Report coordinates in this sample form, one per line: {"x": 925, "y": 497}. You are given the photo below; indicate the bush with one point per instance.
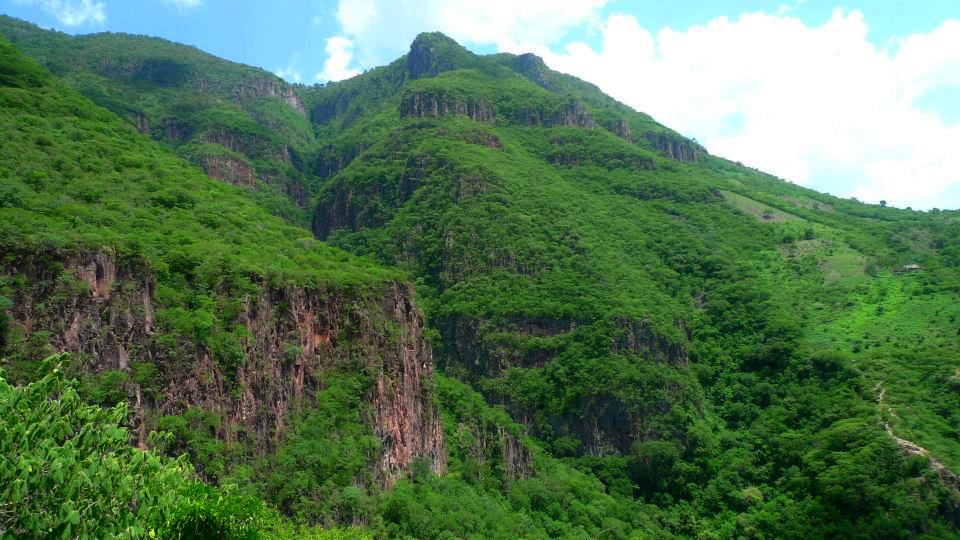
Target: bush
{"x": 67, "y": 470}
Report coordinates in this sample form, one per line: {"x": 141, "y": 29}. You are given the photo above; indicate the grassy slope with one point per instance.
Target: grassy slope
{"x": 202, "y": 94}
{"x": 76, "y": 177}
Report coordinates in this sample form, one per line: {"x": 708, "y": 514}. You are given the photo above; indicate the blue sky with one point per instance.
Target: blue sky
{"x": 856, "y": 98}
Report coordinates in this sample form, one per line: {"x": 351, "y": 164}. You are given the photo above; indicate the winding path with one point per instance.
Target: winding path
{"x": 910, "y": 447}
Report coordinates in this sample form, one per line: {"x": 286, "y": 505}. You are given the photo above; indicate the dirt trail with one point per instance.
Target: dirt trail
{"x": 911, "y": 447}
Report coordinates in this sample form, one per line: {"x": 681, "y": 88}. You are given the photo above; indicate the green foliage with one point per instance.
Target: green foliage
{"x": 478, "y": 497}
{"x": 317, "y": 472}
{"x": 67, "y": 470}
{"x": 549, "y": 242}
{"x": 159, "y": 207}
{"x": 185, "y": 98}
{"x": 18, "y": 71}
{"x": 5, "y": 304}
{"x": 695, "y": 348}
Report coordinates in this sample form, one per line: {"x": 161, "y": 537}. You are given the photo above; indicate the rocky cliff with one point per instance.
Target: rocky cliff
{"x": 427, "y": 103}
{"x": 674, "y": 146}
{"x": 572, "y": 113}
{"x": 433, "y": 53}
{"x": 229, "y": 169}
{"x": 604, "y": 423}
{"x": 268, "y": 87}
{"x": 104, "y": 310}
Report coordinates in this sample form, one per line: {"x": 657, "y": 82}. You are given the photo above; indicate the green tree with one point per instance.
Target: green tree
{"x": 67, "y": 470}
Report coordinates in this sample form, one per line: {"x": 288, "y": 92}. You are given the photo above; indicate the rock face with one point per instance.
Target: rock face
{"x": 433, "y": 104}
{"x": 332, "y": 160}
{"x": 229, "y": 169}
{"x": 104, "y": 311}
{"x": 675, "y": 147}
{"x": 534, "y": 68}
{"x": 341, "y": 207}
{"x": 298, "y": 192}
{"x": 464, "y": 344}
{"x": 420, "y": 59}
{"x": 572, "y": 114}
{"x": 173, "y": 129}
{"x": 621, "y": 128}
{"x": 433, "y": 53}
{"x": 639, "y": 337}
{"x": 264, "y": 87}
{"x": 494, "y": 444}
{"x": 604, "y": 424}
{"x": 251, "y": 145}
{"x": 141, "y": 121}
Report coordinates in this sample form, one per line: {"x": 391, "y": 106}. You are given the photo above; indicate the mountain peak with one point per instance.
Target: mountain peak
{"x": 432, "y": 53}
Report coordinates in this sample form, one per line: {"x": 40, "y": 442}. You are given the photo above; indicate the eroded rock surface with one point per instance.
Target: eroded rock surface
{"x": 104, "y": 311}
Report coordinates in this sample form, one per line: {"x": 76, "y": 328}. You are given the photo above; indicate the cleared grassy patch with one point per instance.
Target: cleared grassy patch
{"x": 757, "y": 209}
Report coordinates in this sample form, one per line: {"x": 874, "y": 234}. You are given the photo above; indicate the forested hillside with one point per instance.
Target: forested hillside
{"x": 455, "y": 296}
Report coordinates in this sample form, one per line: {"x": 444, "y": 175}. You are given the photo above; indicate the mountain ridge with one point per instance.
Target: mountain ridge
{"x": 632, "y": 335}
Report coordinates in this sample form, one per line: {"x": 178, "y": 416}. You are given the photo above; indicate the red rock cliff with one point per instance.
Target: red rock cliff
{"x": 104, "y": 311}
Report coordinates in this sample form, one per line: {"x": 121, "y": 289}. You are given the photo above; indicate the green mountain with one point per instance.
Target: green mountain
{"x": 632, "y": 337}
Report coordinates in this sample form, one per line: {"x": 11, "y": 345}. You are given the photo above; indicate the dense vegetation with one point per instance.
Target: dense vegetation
{"x": 636, "y": 338}
{"x": 69, "y": 471}
{"x": 232, "y": 120}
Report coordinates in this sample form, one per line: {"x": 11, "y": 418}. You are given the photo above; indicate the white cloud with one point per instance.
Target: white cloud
{"x": 290, "y": 72}
{"x": 382, "y": 30}
{"x": 818, "y": 105}
{"x": 71, "y": 12}
{"x": 339, "y": 56}
{"x": 183, "y": 5}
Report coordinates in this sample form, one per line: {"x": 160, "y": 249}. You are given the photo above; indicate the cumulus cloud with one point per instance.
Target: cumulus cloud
{"x": 339, "y": 55}
{"x": 817, "y": 105}
{"x": 71, "y": 12}
{"x": 290, "y": 72}
{"x": 382, "y": 30}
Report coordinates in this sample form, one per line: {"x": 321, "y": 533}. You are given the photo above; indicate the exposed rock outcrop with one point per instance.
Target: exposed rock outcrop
{"x": 674, "y": 146}
{"x": 333, "y": 160}
{"x": 639, "y": 337}
{"x": 621, "y": 128}
{"x": 249, "y": 145}
{"x": 421, "y": 58}
{"x": 141, "y": 121}
{"x": 104, "y": 311}
{"x": 572, "y": 114}
{"x": 298, "y": 192}
{"x": 427, "y": 103}
{"x": 604, "y": 423}
{"x": 263, "y": 87}
{"x": 433, "y": 53}
{"x": 481, "y": 137}
{"x": 229, "y": 169}
{"x": 533, "y": 67}
{"x": 327, "y": 110}
{"x": 490, "y": 443}
{"x": 174, "y": 130}
{"x": 339, "y": 208}
{"x": 465, "y": 346}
